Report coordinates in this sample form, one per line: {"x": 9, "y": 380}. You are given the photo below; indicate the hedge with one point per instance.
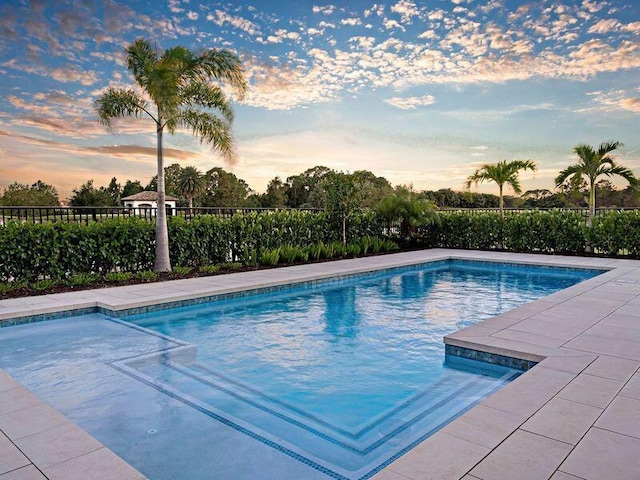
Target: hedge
{"x": 30, "y": 252}
{"x": 554, "y": 231}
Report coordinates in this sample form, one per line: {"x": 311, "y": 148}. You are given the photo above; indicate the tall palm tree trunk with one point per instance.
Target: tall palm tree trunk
{"x": 162, "y": 261}
{"x": 501, "y": 202}
{"x": 592, "y": 201}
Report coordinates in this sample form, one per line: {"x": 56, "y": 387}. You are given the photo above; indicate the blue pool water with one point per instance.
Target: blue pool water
{"x": 332, "y": 379}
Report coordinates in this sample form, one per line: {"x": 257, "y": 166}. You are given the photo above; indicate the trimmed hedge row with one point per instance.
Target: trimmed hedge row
{"x": 57, "y": 250}
{"x": 29, "y": 252}
{"x": 555, "y": 231}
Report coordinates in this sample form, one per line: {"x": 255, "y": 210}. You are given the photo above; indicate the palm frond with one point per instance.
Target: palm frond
{"x": 118, "y": 103}
{"x": 515, "y": 184}
{"x": 607, "y": 147}
{"x": 479, "y": 176}
{"x": 141, "y": 60}
{"x": 224, "y": 66}
{"x": 198, "y": 94}
{"x": 623, "y": 172}
{"x": 568, "y": 172}
{"x": 210, "y": 129}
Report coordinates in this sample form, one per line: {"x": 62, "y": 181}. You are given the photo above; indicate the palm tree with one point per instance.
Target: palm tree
{"x": 190, "y": 183}
{"x": 176, "y": 90}
{"x": 594, "y": 163}
{"x": 501, "y": 173}
{"x": 405, "y": 206}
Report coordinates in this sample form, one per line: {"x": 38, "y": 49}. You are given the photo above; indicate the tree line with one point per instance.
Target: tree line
{"x": 220, "y": 188}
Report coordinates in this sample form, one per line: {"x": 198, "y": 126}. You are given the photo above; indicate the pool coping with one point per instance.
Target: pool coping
{"x": 520, "y": 410}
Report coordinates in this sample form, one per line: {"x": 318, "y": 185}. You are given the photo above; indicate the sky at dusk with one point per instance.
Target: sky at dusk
{"x": 420, "y": 92}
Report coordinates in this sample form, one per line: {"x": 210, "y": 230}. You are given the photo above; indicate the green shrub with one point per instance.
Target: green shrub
{"x": 82, "y": 279}
{"x": 231, "y": 266}
{"x": 57, "y": 250}
{"x": 249, "y": 256}
{"x": 145, "y": 276}
{"x": 616, "y": 233}
{"x": 43, "y": 285}
{"x": 317, "y": 251}
{"x": 289, "y": 254}
{"x": 118, "y": 276}
{"x": 209, "y": 269}
{"x": 181, "y": 270}
{"x": 365, "y": 244}
{"x": 302, "y": 254}
{"x": 338, "y": 249}
{"x": 546, "y": 232}
{"x": 269, "y": 257}
{"x": 353, "y": 250}
{"x": 377, "y": 245}
{"x": 389, "y": 246}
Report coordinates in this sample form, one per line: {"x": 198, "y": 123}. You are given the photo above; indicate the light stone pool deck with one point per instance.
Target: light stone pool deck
{"x": 575, "y": 415}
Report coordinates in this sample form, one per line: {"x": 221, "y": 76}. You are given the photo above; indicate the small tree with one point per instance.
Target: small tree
{"x": 114, "y": 191}
{"x": 224, "y": 189}
{"x": 131, "y": 188}
{"x": 38, "y": 194}
{"x": 409, "y": 209}
{"x": 175, "y": 90}
{"x": 503, "y": 172}
{"x": 89, "y": 196}
{"x": 593, "y": 164}
{"x": 190, "y": 183}
{"x": 276, "y": 194}
{"x": 342, "y": 197}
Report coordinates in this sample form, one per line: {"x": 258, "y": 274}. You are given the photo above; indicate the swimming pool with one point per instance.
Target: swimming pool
{"x": 340, "y": 376}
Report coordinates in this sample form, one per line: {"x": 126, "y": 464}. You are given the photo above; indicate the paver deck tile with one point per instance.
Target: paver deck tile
{"x": 568, "y": 363}
{"x": 604, "y": 455}
{"x": 525, "y": 456}
{"x": 25, "y": 473}
{"x": 440, "y": 457}
{"x": 606, "y": 346}
{"x": 17, "y": 398}
{"x": 564, "y": 476}
{"x": 621, "y": 416}
{"x": 100, "y": 464}
{"x": 563, "y": 420}
{"x": 591, "y": 390}
{"x": 11, "y": 457}
{"x": 632, "y": 387}
{"x": 484, "y": 426}
{"x": 612, "y": 367}
{"x": 57, "y": 445}
{"x": 30, "y": 420}
{"x": 530, "y": 392}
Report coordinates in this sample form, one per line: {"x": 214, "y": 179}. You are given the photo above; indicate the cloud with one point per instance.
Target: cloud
{"x": 621, "y": 100}
{"x": 220, "y": 18}
{"x": 327, "y": 9}
{"x": 352, "y": 22}
{"x": 409, "y": 103}
{"x": 406, "y": 9}
{"x": 135, "y": 150}
{"x": 604, "y": 26}
{"x": 65, "y": 74}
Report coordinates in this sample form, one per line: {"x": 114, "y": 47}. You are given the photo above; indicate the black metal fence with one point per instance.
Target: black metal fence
{"x": 583, "y": 211}
{"x": 97, "y": 214}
